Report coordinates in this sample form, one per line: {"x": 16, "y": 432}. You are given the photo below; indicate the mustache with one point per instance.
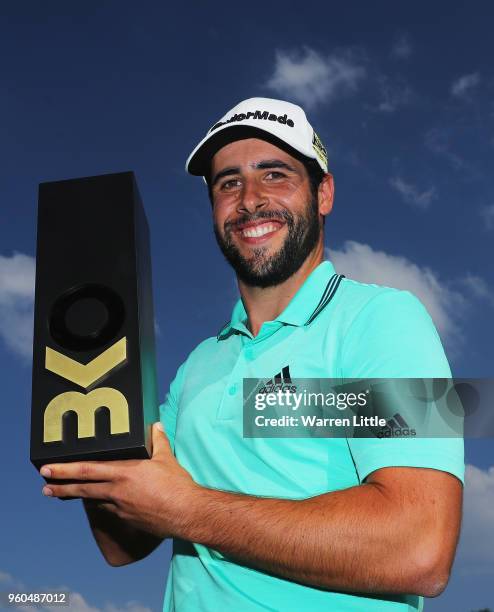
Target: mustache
{"x": 266, "y": 215}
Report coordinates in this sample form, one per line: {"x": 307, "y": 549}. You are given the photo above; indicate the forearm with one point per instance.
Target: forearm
{"x": 352, "y": 540}
{"x": 119, "y": 542}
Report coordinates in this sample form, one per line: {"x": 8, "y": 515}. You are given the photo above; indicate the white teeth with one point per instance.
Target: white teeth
{"x": 259, "y": 230}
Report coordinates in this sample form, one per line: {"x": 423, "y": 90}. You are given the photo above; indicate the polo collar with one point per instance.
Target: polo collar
{"x": 309, "y": 301}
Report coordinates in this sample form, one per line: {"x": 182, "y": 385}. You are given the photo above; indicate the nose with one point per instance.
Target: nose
{"x": 252, "y": 197}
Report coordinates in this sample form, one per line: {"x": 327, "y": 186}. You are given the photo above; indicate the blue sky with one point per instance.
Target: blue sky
{"x": 402, "y": 96}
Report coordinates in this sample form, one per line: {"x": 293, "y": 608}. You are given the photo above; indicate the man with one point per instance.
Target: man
{"x": 283, "y": 523}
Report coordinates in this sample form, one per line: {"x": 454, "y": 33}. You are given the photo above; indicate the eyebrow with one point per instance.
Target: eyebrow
{"x": 262, "y": 165}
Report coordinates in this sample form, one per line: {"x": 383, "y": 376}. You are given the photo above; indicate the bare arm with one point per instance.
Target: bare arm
{"x": 397, "y": 533}
{"x": 119, "y": 542}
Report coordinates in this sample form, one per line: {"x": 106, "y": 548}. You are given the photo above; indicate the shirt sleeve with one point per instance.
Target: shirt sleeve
{"x": 169, "y": 408}
{"x": 393, "y": 336}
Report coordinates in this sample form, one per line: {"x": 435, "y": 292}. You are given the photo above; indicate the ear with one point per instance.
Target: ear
{"x": 325, "y": 194}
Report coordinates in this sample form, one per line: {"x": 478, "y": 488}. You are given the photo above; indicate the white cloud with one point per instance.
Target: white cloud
{"x": 5, "y": 578}
{"x": 402, "y": 48}
{"x": 131, "y": 606}
{"x": 411, "y": 194}
{"x": 475, "y": 550}
{"x": 463, "y": 86}
{"x": 446, "y": 301}
{"x": 478, "y": 287}
{"x": 17, "y": 275}
{"x": 310, "y": 78}
{"x": 393, "y": 95}
{"x": 77, "y": 603}
{"x": 438, "y": 141}
{"x": 444, "y": 304}
{"x": 487, "y": 213}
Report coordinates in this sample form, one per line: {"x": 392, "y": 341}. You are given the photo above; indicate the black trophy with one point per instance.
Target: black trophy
{"x": 94, "y": 394}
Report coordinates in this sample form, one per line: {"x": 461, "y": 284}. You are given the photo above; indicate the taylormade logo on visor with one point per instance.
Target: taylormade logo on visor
{"x": 265, "y": 115}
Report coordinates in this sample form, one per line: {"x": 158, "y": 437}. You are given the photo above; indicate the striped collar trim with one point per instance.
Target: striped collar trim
{"x": 223, "y": 330}
{"x": 327, "y": 296}
{"x": 303, "y": 309}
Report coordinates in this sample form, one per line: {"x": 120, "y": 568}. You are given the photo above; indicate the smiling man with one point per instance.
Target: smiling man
{"x": 283, "y": 523}
{"x": 266, "y": 245}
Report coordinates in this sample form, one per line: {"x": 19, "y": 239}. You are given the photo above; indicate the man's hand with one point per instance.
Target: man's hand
{"x": 397, "y": 533}
{"x": 150, "y": 494}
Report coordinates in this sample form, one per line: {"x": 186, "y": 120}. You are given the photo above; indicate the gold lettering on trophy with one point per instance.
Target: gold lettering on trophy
{"x": 85, "y": 406}
{"x": 86, "y": 375}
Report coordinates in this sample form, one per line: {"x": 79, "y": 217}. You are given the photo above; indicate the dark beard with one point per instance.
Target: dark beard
{"x": 267, "y": 271}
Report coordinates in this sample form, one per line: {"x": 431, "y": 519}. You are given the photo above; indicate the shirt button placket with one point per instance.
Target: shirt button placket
{"x": 231, "y": 401}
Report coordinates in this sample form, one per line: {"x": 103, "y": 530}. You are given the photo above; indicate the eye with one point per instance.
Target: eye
{"x": 230, "y": 184}
{"x": 273, "y": 175}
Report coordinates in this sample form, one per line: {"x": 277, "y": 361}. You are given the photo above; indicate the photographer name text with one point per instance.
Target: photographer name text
{"x": 313, "y": 421}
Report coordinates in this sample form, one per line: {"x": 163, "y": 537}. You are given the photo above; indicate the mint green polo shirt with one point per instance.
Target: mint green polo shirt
{"x": 333, "y": 327}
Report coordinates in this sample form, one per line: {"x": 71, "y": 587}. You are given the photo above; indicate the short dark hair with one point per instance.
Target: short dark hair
{"x": 314, "y": 171}
{"x": 316, "y": 174}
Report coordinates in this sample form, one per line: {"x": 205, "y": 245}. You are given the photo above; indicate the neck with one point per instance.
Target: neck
{"x": 265, "y": 304}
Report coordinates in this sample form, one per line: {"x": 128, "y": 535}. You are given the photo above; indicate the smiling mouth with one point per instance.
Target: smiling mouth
{"x": 254, "y": 232}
